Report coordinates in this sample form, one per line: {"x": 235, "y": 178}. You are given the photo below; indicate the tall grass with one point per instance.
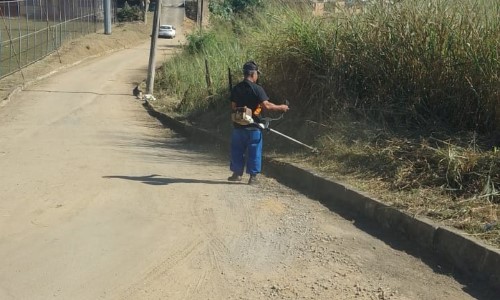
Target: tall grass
{"x": 406, "y": 63}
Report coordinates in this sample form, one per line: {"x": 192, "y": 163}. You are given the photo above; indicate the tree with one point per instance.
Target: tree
{"x": 226, "y": 8}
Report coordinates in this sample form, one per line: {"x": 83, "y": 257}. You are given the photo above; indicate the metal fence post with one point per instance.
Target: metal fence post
{"x": 107, "y": 16}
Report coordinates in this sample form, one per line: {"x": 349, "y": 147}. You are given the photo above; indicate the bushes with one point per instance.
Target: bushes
{"x": 226, "y": 9}
{"x": 130, "y": 13}
{"x": 200, "y": 42}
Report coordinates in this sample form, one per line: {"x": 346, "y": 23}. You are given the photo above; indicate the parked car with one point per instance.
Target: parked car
{"x": 166, "y": 31}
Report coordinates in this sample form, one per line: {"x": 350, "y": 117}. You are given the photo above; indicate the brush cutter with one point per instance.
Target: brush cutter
{"x": 265, "y": 126}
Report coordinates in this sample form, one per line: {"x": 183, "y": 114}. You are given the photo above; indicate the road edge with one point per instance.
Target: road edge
{"x": 466, "y": 255}
{"x": 23, "y": 85}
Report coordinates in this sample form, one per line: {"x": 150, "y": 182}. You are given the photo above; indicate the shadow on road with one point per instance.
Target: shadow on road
{"x": 155, "y": 179}
{"x": 178, "y": 46}
{"x": 76, "y": 92}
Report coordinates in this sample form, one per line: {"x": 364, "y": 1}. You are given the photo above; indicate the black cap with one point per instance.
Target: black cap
{"x": 251, "y": 66}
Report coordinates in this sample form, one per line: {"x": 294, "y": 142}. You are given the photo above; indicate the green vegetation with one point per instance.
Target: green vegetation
{"x": 403, "y": 100}
{"x": 130, "y": 13}
{"x": 226, "y": 9}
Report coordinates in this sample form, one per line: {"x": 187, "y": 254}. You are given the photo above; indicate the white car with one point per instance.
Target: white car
{"x": 166, "y": 31}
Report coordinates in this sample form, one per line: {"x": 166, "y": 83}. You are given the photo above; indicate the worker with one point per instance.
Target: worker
{"x": 248, "y": 99}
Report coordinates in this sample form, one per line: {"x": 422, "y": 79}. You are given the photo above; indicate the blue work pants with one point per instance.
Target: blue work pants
{"x": 246, "y": 145}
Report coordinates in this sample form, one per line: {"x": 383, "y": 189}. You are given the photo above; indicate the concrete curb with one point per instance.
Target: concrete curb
{"x": 465, "y": 255}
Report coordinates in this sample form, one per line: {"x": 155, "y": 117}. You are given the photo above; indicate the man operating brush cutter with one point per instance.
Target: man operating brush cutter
{"x": 248, "y": 99}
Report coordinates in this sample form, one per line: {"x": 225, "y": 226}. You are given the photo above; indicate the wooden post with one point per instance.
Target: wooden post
{"x": 207, "y": 78}
{"x": 497, "y": 123}
{"x": 230, "y": 77}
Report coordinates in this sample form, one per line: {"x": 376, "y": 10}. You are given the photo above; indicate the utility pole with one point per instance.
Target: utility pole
{"x": 107, "y": 16}
{"x": 152, "y": 51}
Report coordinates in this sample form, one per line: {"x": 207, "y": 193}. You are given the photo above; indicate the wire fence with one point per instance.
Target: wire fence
{"x": 32, "y": 29}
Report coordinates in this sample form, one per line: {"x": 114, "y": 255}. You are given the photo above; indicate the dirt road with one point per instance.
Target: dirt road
{"x": 99, "y": 201}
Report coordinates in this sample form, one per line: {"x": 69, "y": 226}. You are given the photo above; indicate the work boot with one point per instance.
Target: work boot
{"x": 234, "y": 177}
{"x": 253, "y": 180}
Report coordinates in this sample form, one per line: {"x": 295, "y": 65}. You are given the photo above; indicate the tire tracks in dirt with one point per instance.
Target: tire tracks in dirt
{"x": 163, "y": 271}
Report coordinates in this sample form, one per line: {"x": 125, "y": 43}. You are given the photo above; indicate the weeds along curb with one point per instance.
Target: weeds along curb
{"x": 465, "y": 255}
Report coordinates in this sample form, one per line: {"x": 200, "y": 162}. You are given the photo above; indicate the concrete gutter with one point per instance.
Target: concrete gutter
{"x": 466, "y": 256}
